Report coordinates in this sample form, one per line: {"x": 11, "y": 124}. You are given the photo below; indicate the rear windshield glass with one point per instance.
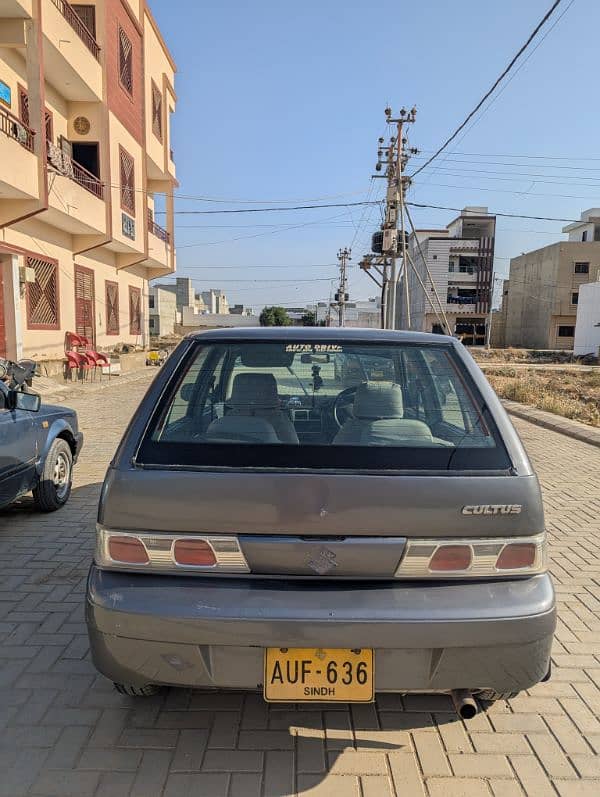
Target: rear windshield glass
{"x": 322, "y": 405}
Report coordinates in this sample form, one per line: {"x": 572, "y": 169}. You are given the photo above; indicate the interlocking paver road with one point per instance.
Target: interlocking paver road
{"x": 64, "y": 731}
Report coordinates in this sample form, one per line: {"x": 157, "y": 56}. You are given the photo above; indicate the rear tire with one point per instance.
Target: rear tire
{"x": 54, "y": 485}
{"x": 138, "y": 691}
{"x": 489, "y": 696}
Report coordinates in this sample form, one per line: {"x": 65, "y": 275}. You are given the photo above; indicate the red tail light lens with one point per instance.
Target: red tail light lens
{"x": 197, "y": 553}
{"x": 516, "y": 555}
{"x": 473, "y": 558}
{"x": 128, "y": 549}
{"x": 451, "y": 557}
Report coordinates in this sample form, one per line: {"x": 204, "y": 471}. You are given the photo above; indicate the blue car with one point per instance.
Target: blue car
{"x": 39, "y": 443}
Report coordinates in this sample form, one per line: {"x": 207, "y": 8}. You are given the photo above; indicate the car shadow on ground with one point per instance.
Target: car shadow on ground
{"x": 46, "y": 557}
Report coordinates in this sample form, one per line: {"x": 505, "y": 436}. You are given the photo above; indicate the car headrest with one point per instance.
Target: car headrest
{"x": 254, "y": 390}
{"x": 377, "y": 400}
{"x": 237, "y": 429}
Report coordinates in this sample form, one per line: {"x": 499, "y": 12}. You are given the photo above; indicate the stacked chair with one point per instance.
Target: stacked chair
{"x": 81, "y": 357}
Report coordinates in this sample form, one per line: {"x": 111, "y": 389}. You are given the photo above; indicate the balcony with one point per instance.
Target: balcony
{"x": 80, "y": 29}
{"x": 71, "y": 54}
{"x": 15, "y": 129}
{"x": 159, "y": 167}
{"x": 20, "y": 9}
{"x": 76, "y": 196}
{"x": 159, "y": 260}
{"x": 462, "y": 277}
{"x": 470, "y": 245}
{"x": 19, "y": 176}
{"x": 156, "y": 229}
{"x": 62, "y": 163}
{"x": 461, "y": 304}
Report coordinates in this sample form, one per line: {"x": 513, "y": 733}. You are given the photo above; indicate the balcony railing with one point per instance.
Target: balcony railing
{"x": 64, "y": 164}
{"x": 461, "y": 299}
{"x": 156, "y": 229}
{"x": 87, "y": 180}
{"x": 14, "y": 128}
{"x": 80, "y": 29}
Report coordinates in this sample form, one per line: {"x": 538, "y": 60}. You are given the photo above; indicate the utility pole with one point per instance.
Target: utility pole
{"x": 395, "y": 156}
{"x": 488, "y": 329}
{"x": 344, "y": 255}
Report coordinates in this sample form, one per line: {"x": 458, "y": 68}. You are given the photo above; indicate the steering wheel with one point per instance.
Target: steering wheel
{"x": 342, "y": 405}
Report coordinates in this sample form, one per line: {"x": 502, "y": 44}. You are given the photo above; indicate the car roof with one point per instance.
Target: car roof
{"x": 307, "y": 334}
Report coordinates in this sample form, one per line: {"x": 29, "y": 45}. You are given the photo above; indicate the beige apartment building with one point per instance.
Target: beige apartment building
{"x": 543, "y": 287}
{"x": 86, "y": 97}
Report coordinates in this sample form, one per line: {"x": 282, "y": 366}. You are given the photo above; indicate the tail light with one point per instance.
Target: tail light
{"x": 128, "y": 550}
{"x": 482, "y": 558}
{"x": 172, "y": 553}
{"x": 197, "y": 553}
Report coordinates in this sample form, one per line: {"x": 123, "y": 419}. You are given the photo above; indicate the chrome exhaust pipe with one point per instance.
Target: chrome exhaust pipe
{"x": 464, "y": 703}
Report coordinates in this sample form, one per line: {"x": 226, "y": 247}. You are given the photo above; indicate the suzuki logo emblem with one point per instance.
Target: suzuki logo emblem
{"x": 323, "y": 562}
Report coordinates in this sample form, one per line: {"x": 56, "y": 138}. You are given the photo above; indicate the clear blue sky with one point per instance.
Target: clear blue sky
{"x": 281, "y": 101}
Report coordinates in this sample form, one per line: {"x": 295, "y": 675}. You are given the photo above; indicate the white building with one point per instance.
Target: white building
{"x": 588, "y": 229}
{"x": 215, "y": 301}
{"x": 163, "y": 312}
{"x": 359, "y": 314}
{"x": 192, "y": 320}
{"x": 587, "y": 326}
{"x": 460, "y": 260}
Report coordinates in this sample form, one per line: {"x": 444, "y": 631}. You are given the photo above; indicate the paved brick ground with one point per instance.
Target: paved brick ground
{"x": 64, "y": 731}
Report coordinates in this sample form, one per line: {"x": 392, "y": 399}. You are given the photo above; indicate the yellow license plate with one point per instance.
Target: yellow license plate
{"x": 298, "y": 675}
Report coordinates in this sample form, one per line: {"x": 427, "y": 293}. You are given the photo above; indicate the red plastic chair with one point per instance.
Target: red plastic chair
{"x": 74, "y": 341}
{"x": 98, "y": 360}
{"x": 95, "y": 358}
{"x": 79, "y": 362}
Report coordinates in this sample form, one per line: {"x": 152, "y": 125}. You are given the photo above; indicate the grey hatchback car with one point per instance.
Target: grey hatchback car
{"x": 263, "y": 526}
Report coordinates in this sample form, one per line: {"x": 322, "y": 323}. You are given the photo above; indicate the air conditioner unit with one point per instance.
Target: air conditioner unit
{"x": 26, "y": 274}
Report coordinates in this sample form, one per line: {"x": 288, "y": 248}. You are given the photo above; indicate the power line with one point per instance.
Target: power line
{"x": 526, "y": 193}
{"x": 495, "y": 212}
{"x": 284, "y": 228}
{"x": 522, "y": 165}
{"x": 266, "y": 265}
{"x": 270, "y": 281}
{"x": 199, "y": 198}
{"x": 556, "y": 179}
{"x": 514, "y": 75}
{"x": 271, "y": 210}
{"x": 531, "y": 157}
{"x": 494, "y": 86}
{"x": 261, "y": 201}
{"x": 324, "y": 222}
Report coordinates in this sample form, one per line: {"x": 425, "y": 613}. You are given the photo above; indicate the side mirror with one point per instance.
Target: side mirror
{"x": 31, "y": 402}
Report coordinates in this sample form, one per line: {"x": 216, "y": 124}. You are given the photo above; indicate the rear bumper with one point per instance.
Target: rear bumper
{"x": 212, "y": 632}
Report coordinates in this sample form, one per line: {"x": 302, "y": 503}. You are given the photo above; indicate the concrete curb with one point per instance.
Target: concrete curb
{"x": 566, "y": 426}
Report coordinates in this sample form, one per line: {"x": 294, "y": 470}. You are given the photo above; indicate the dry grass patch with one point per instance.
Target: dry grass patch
{"x": 572, "y": 395}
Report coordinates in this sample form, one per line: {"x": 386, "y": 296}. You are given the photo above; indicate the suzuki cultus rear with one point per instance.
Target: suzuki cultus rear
{"x": 267, "y": 525}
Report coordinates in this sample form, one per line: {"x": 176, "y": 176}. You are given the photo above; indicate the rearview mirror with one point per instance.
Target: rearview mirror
{"x": 30, "y": 402}
{"x": 307, "y": 359}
